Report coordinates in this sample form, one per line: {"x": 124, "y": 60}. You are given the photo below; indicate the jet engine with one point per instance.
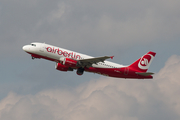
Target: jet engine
{"x": 61, "y": 67}
{"x": 69, "y": 62}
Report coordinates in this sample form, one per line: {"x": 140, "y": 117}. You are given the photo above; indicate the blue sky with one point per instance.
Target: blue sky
{"x": 125, "y": 29}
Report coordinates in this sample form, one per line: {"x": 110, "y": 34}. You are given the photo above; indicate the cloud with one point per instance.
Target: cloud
{"x": 100, "y": 24}
{"x": 104, "y": 98}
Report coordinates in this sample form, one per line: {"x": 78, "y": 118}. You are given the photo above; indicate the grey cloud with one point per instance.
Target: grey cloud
{"x": 100, "y": 24}
{"x": 104, "y": 98}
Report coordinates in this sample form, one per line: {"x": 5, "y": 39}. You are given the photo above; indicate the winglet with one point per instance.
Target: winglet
{"x": 111, "y": 57}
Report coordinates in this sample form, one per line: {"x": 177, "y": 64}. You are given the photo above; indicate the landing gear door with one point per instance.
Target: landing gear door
{"x": 42, "y": 47}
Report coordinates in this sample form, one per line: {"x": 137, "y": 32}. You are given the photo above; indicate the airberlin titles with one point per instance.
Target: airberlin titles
{"x": 64, "y": 53}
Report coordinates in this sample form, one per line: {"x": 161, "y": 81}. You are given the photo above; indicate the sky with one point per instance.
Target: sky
{"x": 35, "y": 90}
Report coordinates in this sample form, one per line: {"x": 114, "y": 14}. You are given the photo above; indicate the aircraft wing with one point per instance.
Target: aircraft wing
{"x": 90, "y": 61}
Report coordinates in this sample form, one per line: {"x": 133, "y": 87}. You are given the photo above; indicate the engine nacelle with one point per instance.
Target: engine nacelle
{"x": 61, "y": 67}
{"x": 69, "y": 62}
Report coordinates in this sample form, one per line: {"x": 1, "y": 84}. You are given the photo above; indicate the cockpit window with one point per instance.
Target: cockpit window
{"x": 33, "y": 45}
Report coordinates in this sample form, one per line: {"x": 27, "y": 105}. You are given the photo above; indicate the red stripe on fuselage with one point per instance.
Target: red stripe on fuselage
{"x": 116, "y": 72}
{"x": 46, "y": 58}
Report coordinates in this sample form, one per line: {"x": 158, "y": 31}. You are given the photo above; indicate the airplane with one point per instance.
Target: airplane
{"x": 67, "y": 60}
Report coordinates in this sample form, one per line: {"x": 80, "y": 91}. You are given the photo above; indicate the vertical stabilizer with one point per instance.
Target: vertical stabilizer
{"x": 143, "y": 63}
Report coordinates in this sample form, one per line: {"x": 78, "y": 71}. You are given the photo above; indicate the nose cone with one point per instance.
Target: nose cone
{"x": 25, "y": 48}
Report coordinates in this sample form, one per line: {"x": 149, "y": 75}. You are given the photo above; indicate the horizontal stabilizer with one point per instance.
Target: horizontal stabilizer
{"x": 144, "y": 73}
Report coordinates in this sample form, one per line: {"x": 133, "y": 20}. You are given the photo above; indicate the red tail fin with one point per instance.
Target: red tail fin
{"x": 143, "y": 63}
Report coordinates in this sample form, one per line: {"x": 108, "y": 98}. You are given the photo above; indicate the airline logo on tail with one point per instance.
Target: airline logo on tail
{"x": 145, "y": 61}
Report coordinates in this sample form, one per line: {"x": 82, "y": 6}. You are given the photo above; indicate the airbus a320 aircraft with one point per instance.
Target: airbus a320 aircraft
{"x": 67, "y": 60}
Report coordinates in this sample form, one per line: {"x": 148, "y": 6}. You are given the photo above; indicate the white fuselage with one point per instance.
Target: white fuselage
{"x": 57, "y": 53}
